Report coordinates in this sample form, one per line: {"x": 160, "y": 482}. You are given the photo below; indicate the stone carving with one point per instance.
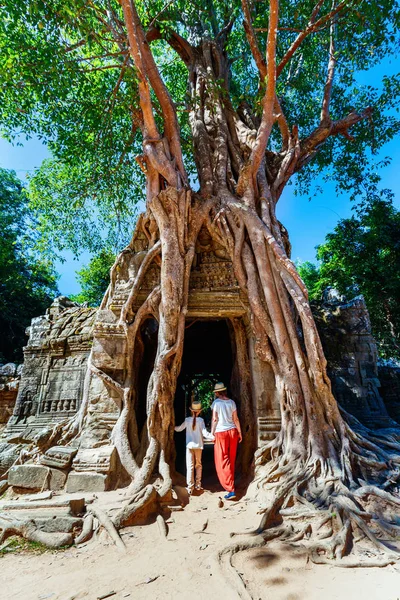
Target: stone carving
{"x": 98, "y": 460}
{"x": 54, "y": 366}
{"x": 212, "y": 269}
{"x": 94, "y": 469}
{"x": 9, "y": 384}
{"x": 351, "y": 352}
{"x": 59, "y": 457}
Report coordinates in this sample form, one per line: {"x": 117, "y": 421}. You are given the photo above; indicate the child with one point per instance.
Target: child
{"x": 195, "y": 431}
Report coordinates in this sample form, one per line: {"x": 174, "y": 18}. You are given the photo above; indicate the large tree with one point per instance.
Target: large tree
{"x": 228, "y": 102}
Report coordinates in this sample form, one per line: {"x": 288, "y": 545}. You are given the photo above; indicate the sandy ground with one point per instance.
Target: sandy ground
{"x": 184, "y": 566}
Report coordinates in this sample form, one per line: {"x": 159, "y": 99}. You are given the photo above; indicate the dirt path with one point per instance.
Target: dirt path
{"x": 183, "y": 566}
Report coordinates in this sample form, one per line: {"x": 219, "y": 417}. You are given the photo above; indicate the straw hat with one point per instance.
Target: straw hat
{"x": 195, "y": 406}
{"x": 219, "y": 387}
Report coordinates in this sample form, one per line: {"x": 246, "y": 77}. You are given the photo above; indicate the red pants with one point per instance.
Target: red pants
{"x": 225, "y": 456}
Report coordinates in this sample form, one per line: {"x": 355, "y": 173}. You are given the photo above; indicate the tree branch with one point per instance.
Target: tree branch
{"x": 177, "y": 43}
{"x": 251, "y": 38}
{"x": 311, "y": 144}
{"x": 160, "y": 89}
{"x": 267, "y": 119}
{"x": 312, "y": 26}
{"x": 150, "y": 127}
{"x": 331, "y": 69}
{"x": 262, "y": 69}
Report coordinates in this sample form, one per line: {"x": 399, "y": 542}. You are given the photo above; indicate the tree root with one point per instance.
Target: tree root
{"x": 351, "y": 563}
{"x": 109, "y": 526}
{"x": 138, "y": 508}
{"x": 29, "y": 531}
{"x": 223, "y": 560}
{"x": 87, "y": 530}
{"x": 162, "y": 527}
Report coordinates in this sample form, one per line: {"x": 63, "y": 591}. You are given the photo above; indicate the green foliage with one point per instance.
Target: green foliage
{"x": 362, "y": 256}
{"x": 311, "y": 276}
{"x": 204, "y": 393}
{"x": 94, "y": 278}
{"x": 27, "y": 281}
{"x": 66, "y": 76}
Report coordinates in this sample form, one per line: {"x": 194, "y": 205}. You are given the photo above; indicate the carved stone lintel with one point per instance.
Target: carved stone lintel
{"x": 59, "y": 456}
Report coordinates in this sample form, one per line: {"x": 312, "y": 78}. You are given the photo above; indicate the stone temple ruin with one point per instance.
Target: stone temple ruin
{"x": 55, "y": 374}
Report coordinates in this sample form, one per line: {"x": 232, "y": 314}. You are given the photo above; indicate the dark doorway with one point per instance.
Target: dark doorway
{"x": 207, "y": 358}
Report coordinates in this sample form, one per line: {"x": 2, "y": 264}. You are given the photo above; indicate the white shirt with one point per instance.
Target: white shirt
{"x": 224, "y": 410}
{"x": 194, "y": 437}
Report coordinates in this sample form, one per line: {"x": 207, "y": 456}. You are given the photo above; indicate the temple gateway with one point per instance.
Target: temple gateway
{"x": 219, "y": 345}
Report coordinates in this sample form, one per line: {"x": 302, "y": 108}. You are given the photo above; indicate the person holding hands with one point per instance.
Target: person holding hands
{"x": 226, "y": 427}
{"x": 195, "y": 432}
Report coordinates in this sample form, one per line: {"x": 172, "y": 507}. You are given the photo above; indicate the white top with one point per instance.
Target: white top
{"x": 194, "y": 437}
{"x": 224, "y": 410}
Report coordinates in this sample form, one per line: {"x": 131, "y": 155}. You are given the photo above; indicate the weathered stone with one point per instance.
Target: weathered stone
{"x": 86, "y": 482}
{"x": 351, "y": 352}
{"x": 8, "y": 396}
{"x": 62, "y": 523}
{"x": 9, "y": 382}
{"x": 98, "y": 460}
{"x": 32, "y": 477}
{"x": 9, "y": 453}
{"x": 54, "y": 366}
{"x": 59, "y": 457}
{"x": 389, "y": 376}
{"x": 8, "y": 370}
{"x": 36, "y": 477}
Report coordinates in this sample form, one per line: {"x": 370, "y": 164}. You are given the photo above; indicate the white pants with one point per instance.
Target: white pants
{"x": 193, "y": 462}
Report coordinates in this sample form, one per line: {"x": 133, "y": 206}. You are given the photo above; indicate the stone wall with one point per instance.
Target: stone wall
{"x": 389, "y": 376}
{"x": 54, "y": 368}
{"x": 351, "y": 353}
{"x": 9, "y": 382}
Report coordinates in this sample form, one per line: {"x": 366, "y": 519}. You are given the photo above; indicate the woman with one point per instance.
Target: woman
{"x": 226, "y": 428}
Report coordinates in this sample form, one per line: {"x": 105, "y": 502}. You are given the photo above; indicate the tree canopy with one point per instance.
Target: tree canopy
{"x": 28, "y": 282}
{"x": 66, "y": 76}
{"x": 362, "y": 256}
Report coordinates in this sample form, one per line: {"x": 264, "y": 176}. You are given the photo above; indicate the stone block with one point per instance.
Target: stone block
{"x": 57, "y": 479}
{"x": 97, "y": 460}
{"x": 59, "y": 457}
{"x": 109, "y": 352}
{"x": 36, "y": 477}
{"x": 58, "y": 523}
{"x": 86, "y": 482}
{"x": 9, "y": 453}
{"x": 8, "y": 370}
